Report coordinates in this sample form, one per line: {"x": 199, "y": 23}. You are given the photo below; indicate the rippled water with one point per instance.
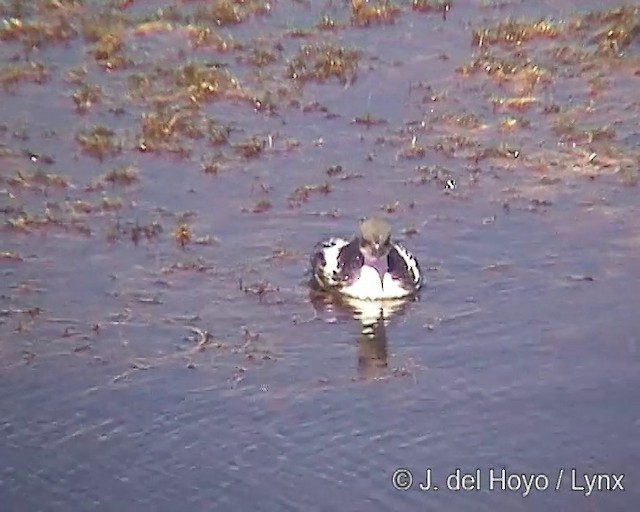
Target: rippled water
{"x": 146, "y": 375}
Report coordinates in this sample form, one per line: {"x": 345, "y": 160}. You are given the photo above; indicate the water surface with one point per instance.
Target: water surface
{"x": 140, "y": 372}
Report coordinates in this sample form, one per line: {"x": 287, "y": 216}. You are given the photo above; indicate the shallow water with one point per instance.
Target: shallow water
{"x": 137, "y": 373}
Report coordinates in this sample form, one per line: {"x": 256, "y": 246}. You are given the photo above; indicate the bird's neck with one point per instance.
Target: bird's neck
{"x": 380, "y": 264}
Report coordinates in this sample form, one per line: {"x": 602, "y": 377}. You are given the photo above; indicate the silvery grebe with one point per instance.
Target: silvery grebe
{"x": 369, "y": 267}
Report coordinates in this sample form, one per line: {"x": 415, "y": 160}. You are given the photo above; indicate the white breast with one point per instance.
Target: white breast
{"x": 370, "y": 287}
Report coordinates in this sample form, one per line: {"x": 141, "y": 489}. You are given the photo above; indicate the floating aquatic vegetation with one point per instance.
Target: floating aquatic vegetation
{"x": 322, "y": 62}
{"x": 95, "y": 27}
{"x": 261, "y": 206}
{"x": 250, "y": 148}
{"x": 106, "y": 53}
{"x": 13, "y": 74}
{"x": 206, "y": 82}
{"x": 327, "y": 23}
{"x": 164, "y": 130}
{"x": 182, "y": 234}
{"x": 217, "y": 134}
{"x": 232, "y": 12}
{"x": 261, "y": 289}
{"x": 451, "y": 144}
{"x": 27, "y": 222}
{"x": 261, "y": 57}
{"x": 99, "y": 142}
{"x": 202, "y": 36}
{"x": 412, "y": 151}
{"x": 86, "y": 96}
{"x": 10, "y": 255}
{"x": 109, "y": 204}
{"x": 522, "y": 74}
{"x": 567, "y": 130}
{"x": 514, "y": 33}
{"x": 365, "y": 13}
{"x": 435, "y": 174}
{"x": 369, "y": 120}
{"x": 509, "y": 123}
{"x": 35, "y": 33}
{"x": 38, "y": 178}
{"x": 334, "y": 170}
{"x": 612, "y": 31}
{"x": 431, "y": 6}
{"x": 135, "y": 231}
{"x": 81, "y": 207}
{"x": 302, "y": 194}
{"x": 390, "y": 208}
{"x": 210, "y": 167}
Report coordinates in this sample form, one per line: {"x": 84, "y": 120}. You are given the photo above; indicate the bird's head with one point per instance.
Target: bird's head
{"x": 375, "y": 238}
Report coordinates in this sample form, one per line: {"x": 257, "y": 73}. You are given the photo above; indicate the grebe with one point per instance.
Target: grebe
{"x": 369, "y": 266}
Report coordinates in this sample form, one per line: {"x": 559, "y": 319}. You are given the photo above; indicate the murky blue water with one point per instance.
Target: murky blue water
{"x": 522, "y": 352}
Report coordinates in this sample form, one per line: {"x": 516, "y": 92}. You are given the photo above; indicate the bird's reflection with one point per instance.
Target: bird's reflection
{"x": 373, "y": 318}
{"x": 372, "y": 348}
